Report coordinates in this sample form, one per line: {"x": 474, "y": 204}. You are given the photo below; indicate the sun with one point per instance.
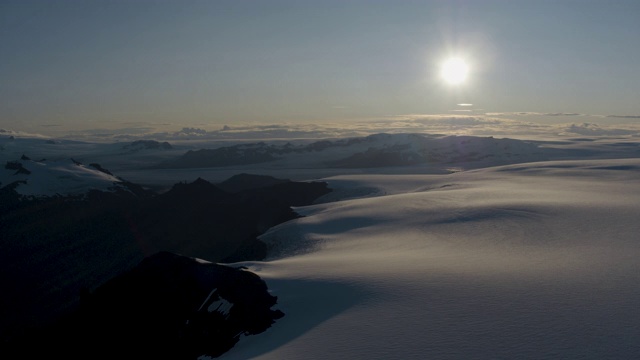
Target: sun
{"x": 454, "y": 71}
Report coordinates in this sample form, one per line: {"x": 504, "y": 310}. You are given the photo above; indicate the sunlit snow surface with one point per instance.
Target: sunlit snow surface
{"x": 527, "y": 261}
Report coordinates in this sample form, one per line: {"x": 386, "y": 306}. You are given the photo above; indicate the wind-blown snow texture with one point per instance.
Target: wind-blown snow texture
{"x": 527, "y": 261}
{"x": 533, "y": 256}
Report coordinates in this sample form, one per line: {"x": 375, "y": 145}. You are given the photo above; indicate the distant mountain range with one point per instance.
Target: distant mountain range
{"x": 139, "y": 145}
{"x": 379, "y": 150}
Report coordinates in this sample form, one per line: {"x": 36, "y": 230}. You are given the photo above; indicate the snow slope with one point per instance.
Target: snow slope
{"x": 61, "y": 177}
{"x": 534, "y": 260}
{"x": 526, "y": 261}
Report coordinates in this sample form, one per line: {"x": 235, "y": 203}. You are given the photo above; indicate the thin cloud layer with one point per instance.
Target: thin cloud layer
{"x": 531, "y": 113}
{"x": 517, "y": 124}
{"x": 596, "y": 130}
{"x": 624, "y": 116}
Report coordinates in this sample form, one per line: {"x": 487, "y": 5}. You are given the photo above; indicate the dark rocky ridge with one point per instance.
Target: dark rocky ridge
{"x": 54, "y": 247}
{"x": 244, "y": 181}
{"x": 167, "y": 307}
{"x": 148, "y": 145}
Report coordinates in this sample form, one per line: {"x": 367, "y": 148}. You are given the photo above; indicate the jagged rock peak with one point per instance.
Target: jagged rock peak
{"x": 148, "y": 145}
{"x": 246, "y": 181}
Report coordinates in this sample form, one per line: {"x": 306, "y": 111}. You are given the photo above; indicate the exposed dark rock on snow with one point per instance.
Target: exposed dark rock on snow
{"x": 167, "y": 307}
{"x": 100, "y": 168}
{"x": 17, "y": 166}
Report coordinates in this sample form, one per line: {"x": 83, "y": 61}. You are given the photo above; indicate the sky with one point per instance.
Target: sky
{"x": 67, "y": 65}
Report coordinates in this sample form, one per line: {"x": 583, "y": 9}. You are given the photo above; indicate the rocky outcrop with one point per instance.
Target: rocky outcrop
{"x": 53, "y": 246}
{"x": 244, "y": 181}
{"x": 167, "y": 307}
{"x": 148, "y": 145}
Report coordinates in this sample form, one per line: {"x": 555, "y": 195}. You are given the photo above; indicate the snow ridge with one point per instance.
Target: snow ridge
{"x": 54, "y": 178}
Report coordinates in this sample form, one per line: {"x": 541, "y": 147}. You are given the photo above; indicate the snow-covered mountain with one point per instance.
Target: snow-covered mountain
{"x": 378, "y": 150}
{"x": 63, "y": 177}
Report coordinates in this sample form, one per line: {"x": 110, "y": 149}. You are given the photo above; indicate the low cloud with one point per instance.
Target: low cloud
{"x": 597, "y": 130}
{"x": 445, "y": 124}
{"x": 518, "y": 124}
{"x": 529, "y": 113}
{"x": 624, "y": 116}
{"x": 461, "y": 121}
{"x": 563, "y": 114}
{"x": 192, "y": 131}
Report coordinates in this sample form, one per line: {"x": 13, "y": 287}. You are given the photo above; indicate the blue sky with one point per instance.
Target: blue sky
{"x": 75, "y": 64}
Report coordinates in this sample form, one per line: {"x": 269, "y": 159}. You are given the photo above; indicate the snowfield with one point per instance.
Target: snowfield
{"x": 459, "y": 260}
{"x": 526, "y": 261}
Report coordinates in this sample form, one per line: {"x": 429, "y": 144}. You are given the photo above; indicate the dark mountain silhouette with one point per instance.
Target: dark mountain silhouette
{"x": 148, "y": 145}
{"x": 225, "y": 156}
{"x": 244, "y": 181}
{"x": 54, "y": 246}
{"x": 167, "y": 307}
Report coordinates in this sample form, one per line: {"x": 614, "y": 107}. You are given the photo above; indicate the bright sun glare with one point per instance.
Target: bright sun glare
{"x": 454, "y": 71}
